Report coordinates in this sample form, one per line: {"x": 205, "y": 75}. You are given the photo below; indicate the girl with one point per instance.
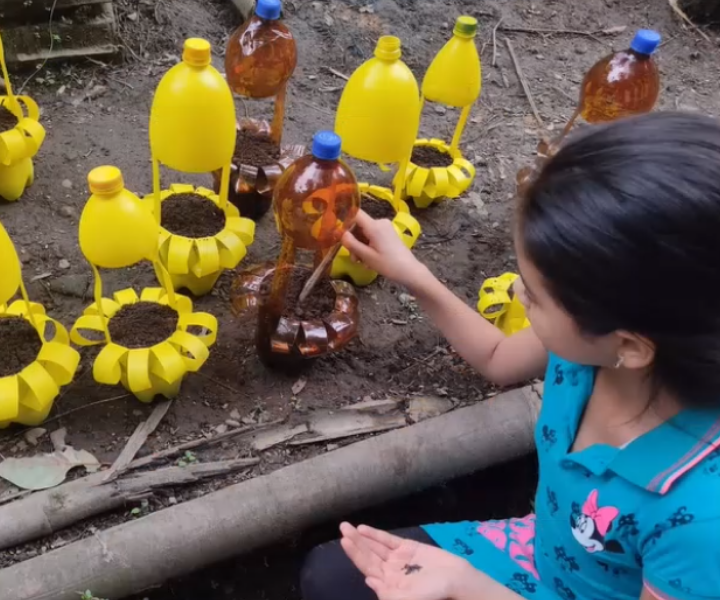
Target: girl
{"x": 618, "y": 245}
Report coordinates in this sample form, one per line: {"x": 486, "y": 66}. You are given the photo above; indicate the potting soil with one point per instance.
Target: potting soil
{"x": 7, "y": 119}
{"x": 320, "y": 303}
{"x": 142, "y": 324}
{"x": 255, "y": 149}
{"x": 192, "y": 215}
{"x": 19, "y": 345}
{"x": 429, "y": 157}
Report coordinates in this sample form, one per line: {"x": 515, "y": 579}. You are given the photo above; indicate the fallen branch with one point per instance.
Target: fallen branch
{"x": 16, "y": 529}
{"x": 240, "y": 518}
{"x": 47, "y": 512}
{"x": 137, "y": 439}
{"x": 524, "y": 84}
{"x": 681, "y": 13}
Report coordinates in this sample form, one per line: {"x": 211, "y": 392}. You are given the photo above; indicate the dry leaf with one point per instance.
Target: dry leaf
{"x": 299, "y": 386}
{"x": 46, "y": 471}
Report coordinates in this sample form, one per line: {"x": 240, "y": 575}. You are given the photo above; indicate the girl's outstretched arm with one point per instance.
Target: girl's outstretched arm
{"x": 501, "y": 359}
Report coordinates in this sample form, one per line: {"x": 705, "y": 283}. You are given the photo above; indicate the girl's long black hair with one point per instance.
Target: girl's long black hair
{"x": 624, "y": 225}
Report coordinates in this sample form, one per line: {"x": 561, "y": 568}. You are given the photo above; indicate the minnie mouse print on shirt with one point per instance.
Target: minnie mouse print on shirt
{"x": 591, "y": 526}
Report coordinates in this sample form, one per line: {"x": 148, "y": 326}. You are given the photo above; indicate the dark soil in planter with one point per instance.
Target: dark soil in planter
{"x": 7, "y": 119}
{"x": 19, "y": 345}
{"x": 143, "y": 324}
{"x": 319, "y": 304}
{"x": 377, "y": 209}
{"x": 192, "y": 215}
{"x": 429, "y": 156}
{"x": 255, "y": 149}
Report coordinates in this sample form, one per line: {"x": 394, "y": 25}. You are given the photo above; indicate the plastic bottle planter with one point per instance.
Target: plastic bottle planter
{"x": 405, "y": 224}
{"x": 426, "y": 185}
{"x": 19, "y": 145}
{"x": 251, "y": 186}
{"x": 157, "y": 370}
{"x": 293, "y": 336}
{"x": 499, "y": 305}
{"x": 197, "y": 263}
{"x": 28, "y": 396}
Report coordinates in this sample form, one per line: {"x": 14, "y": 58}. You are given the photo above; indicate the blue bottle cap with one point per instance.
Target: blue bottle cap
{"x": 645, "y": 41}
{"x": 326, "y": 145}
{"x": 268, "y": 9}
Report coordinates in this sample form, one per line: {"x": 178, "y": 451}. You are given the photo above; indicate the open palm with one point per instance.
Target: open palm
{"x": 399, "y": 569}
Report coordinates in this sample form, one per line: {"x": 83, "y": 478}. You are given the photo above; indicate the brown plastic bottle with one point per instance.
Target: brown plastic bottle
{"x": 260, "y": 58}
{"x": 622, "y": 84}
{"x": 315, "y": 202}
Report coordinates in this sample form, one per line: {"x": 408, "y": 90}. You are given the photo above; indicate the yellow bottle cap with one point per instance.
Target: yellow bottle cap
{"x": 388, "y": 48}
{"x": 466, "y": 26}
{"x": 196, "y": 52}
{"x": 105, "y": 180}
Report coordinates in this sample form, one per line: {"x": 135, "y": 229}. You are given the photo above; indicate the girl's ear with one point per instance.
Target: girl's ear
{"x": 634, "y": 351}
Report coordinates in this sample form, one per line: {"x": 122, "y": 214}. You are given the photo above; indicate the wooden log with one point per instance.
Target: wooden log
{"x": 91, "y": 34}
{"x": 262, "y": 510}
{"x": 24, "y": 11}
{"x": 47, "y": 512}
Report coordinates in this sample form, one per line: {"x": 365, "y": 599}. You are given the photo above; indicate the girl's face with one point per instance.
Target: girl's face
{"x": 554, "y": 326}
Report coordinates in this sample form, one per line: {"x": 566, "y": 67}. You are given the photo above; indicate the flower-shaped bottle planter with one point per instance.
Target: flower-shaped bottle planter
{"x": 291, "y": 337}
{"x": 407, "y": 227}
{"x": 150, "y": 371}
{"x": 20, "y": 144}
{"x": 197, "y": 263}
{"x": 27, "y": 397}
{"x": 426, "y": 185}
{"x": 252, "y": 185}
{"x": 454, "y": 79}
{"x": 501, "y": 306}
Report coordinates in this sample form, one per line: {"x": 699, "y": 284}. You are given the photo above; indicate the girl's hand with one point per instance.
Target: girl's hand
{"x": 384, "y": 251}
{"x": 399, "y": 569}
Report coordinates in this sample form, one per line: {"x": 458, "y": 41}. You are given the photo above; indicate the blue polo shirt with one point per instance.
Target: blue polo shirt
{"x": 609, "y": 521}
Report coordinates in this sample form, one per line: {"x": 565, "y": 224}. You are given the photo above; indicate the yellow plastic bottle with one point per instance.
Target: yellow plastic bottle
{"x": 192, "y": 119}
{"x": 379, "y": 112}
{"x": 11, "y": 275}
{"x": 117, "y": 229}
{"x": 454, "y": 77}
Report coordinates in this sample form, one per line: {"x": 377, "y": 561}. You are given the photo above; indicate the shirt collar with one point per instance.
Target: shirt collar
{"x": 660, "y": 458}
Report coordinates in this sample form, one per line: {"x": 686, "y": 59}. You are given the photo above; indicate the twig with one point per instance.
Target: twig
{"x": 494, "y": 40}
{"x": 120, "y": 81}
{"x": 337, "y": 73}
{"x": 681, "y": 13}
{"x": 318, "y": 272}
{"x": 589, "y": 34}
{"x": 83, "y": 407}
{"x": 314, "y": 106}
{"x": 524, "y": 84}
{"x": 137, "y": 440}
{"x": 147, "y": 460}
{"x": 228, "y": 387}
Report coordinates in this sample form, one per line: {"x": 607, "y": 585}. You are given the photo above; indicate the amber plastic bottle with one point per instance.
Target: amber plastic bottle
{"x": 622, "y": 84}
{"x": 315, "y": 202}
{"x": 260, "y": 58}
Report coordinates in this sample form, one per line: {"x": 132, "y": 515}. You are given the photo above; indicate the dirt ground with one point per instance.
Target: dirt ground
{"x": 97, "y": 113}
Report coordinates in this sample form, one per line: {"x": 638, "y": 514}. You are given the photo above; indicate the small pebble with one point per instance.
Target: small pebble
{"x": 67, "y": 184}
{"x": 67, "y": 211}
{"x": 64, "y": 264}
{"x": 235, "y": 415}
{"x": 221, "y": 429}
{"x": 441, "y": 110}
{"x": 232, "y": 423}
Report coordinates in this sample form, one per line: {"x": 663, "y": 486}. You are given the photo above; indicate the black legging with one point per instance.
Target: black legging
{"x": 328, "y": 574}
